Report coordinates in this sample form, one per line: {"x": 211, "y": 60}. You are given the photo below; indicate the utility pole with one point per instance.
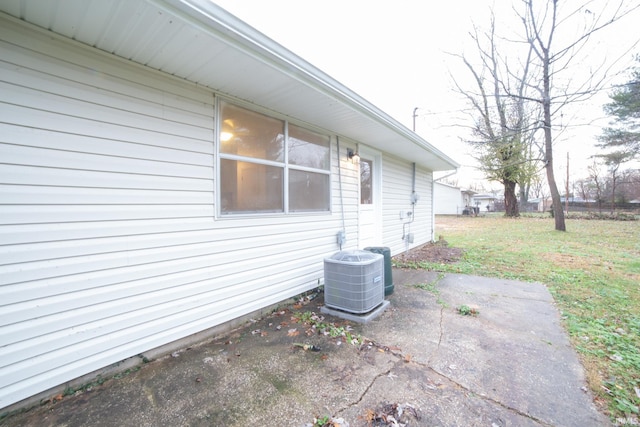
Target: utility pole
{"x": 414, "y": 118}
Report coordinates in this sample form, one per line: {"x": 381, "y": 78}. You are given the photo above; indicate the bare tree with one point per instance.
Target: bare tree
{"x": 597, "y": 182}
{"x": 542, "y": 23}
{"x": 539, "y": 190}
{"x": 501, "y": 123}
{"x": 537, "y": 186}
{"x": 544, "y": 76}
{"x": 583, "y": 187}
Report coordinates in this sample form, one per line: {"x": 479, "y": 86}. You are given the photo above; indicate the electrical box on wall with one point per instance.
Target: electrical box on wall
{"x": 410, "y": 237}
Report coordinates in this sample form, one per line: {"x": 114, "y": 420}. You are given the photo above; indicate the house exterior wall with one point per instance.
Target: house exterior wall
{"x": 447, "y": 200}
{"x": 397, "y": 185}
{"x": 109, "y": 241}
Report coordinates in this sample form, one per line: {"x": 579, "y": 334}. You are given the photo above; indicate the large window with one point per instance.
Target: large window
{"x": 268, "y": 165}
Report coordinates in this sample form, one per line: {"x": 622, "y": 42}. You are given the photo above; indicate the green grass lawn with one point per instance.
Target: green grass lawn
{"x": 592, "y": 271}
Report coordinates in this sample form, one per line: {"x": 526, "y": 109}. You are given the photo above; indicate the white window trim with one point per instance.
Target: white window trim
{"x": 285, "y": 165}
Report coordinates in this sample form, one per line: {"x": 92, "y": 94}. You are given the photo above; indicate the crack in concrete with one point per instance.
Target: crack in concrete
{"x": 440, "y": 277}
{"x": 435, "y": 351}
{"x": 366, "y": 390}
{"x": 482, "y": 396}
{"x": 402, "y": 359}
{"x": 523, "y": 298}
{"x": 486, "y": 398}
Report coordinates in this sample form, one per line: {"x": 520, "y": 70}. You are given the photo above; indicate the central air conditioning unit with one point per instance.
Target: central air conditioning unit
{"x": 354, "y": 281}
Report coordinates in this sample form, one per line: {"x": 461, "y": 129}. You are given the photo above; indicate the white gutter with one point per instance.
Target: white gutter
{"x": 446, "y": 176}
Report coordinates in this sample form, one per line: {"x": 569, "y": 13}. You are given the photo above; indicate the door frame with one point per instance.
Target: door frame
{"x": 376, "y": 194}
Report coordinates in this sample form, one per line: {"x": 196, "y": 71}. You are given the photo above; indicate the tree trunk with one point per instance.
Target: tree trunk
{"x": 558, "y": 212}
{"x": 510, "y": 200}
{"x": 556, "y": 203}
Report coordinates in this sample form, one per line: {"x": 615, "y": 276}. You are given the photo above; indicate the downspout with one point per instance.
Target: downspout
{"x": 433, "y": 208}
{"x": 413, "y": 181}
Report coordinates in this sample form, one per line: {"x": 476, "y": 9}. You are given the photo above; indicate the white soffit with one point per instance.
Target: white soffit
{"x": 198, "y": 41}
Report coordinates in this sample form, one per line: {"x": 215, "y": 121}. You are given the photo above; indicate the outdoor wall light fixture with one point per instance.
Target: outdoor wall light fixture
{"x": 353, "y": 156}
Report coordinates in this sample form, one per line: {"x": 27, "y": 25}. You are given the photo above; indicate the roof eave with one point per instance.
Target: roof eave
{"x": 209, "y": 17}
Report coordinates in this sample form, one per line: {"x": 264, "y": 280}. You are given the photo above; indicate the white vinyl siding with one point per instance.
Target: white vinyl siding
{"x": 108, "y": 242}
{"x": 397, "y": 179}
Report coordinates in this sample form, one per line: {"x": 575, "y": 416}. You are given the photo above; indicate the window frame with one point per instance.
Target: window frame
{"x": 285, "y": 165}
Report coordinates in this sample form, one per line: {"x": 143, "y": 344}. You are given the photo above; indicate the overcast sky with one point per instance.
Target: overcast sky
{"x": 398, "y": 55}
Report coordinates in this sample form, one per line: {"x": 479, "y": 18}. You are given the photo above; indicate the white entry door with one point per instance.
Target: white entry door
{"x": 369, "y": 220}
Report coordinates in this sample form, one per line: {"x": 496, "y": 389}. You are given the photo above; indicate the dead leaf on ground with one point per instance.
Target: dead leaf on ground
{"x": 293, "y": 332}
{"x": 391, "y": 415}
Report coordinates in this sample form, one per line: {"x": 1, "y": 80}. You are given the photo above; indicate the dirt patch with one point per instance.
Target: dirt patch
{"x": 571, "y": 261}
{"x": 439, "y": 252}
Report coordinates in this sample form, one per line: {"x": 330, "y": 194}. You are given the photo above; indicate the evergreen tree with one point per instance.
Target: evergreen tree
{"x": 624, "y": 133}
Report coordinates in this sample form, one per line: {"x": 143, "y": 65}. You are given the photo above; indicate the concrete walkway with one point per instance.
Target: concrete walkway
{"x": 509, "y": 365}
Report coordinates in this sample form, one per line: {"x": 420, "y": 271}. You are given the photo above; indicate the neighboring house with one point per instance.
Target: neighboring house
{"x": 467, "y": 201}
{"x": 447, "y": 199}
{"x": 539, "y": 204}
{"x": 451, "y": 200}
{"x": 467, "y": 197}
{"x": 482, "y": 201}
{"x": 166, "y": 169}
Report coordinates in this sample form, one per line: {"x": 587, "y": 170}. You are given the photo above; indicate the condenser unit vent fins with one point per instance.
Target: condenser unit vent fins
{"x": 354, "y": 281}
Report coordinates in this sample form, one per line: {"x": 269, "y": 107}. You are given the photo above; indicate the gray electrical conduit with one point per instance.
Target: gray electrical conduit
{"x": 344, "y": 228}
{"x": 413, "y": 206}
